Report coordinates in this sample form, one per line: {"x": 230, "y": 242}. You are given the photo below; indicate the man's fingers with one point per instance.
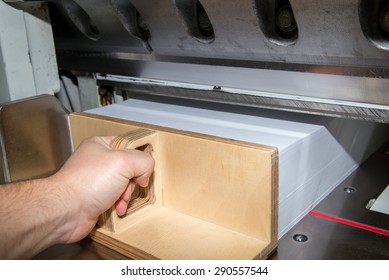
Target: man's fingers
{"x": 141, "y": 166}
{"x": 121, "y": 207}
{"x": 126, "y": 196}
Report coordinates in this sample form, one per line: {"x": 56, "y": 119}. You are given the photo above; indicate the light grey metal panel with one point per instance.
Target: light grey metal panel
{"x": 14, "y": 47}
{"x": 253, "y": 99}
{"x": 271, "y": 83}
{"x": 317, "y": 93}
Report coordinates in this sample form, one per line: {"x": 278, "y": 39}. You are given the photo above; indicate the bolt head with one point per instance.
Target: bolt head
{"x": 285, "y": 19}
{"x": 300, "y": 238}
{"x": 349, "y": 190}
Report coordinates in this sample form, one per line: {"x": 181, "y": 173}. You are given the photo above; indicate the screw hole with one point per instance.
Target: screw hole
{"x": 301, "y": 238}
{"x": 349, "y": 190}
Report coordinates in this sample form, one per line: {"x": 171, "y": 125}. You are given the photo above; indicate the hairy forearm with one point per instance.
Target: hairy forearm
{"x": 65, "y": 207}
{"x": 33, "y": 216}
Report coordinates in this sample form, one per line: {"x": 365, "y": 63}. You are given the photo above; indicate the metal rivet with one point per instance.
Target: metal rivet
{"x": 300, "y": 237}
{"x": 349, "y": 190}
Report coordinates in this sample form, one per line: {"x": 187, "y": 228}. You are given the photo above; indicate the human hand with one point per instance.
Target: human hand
{"x": 96, "y": 177}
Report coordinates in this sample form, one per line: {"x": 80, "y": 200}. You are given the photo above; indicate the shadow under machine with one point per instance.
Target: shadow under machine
{"x": 285, "y": 102}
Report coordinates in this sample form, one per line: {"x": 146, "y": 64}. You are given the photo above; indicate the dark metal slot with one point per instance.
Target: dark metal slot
{"x": 277, "y": 21}
{"x": 374, "y": 20}
{"x": 384, "y": 19}
{"x": 203, "y": 22}
{"x": 196, "y": 20}
{"x": 131, "y": 19}
{"x": 81, "y": 19}
{"x": 285, "y": 22}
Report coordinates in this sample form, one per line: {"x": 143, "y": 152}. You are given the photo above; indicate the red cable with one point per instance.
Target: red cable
{"x": 349, "y": 222}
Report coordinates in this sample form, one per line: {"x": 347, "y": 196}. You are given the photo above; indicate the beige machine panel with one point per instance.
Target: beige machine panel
{"x": 34, "y": 138}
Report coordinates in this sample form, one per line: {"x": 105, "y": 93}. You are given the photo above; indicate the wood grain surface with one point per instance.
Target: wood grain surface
{"x": 215, "y": 198}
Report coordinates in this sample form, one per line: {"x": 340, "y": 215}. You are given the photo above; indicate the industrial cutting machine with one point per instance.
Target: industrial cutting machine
{"x": 284, "y": 102}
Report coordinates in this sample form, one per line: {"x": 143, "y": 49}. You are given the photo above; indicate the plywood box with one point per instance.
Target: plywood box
{"x": 209, "y": 198}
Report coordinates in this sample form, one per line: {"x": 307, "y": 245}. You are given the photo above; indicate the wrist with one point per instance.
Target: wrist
{"x": 61, "y": 203}
{"x": 75, "y": 220}
{"x": 43, "y": 213}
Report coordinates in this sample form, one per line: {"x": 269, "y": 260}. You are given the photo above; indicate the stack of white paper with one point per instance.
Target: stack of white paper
{"x": 315, "y": 153}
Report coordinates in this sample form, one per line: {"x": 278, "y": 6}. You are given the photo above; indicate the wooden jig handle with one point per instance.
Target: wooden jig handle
{"x": 140, "y": 139}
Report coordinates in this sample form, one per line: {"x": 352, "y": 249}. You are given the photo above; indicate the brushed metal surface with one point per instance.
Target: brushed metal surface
{"x": 34, "y": 138}
{"x": 340, "y": 54}
{"x": 251, "y": 98}
{"x": 329, "y": 32}
{"x": 332, "y": 240}
{"x": 328, "y": 240}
